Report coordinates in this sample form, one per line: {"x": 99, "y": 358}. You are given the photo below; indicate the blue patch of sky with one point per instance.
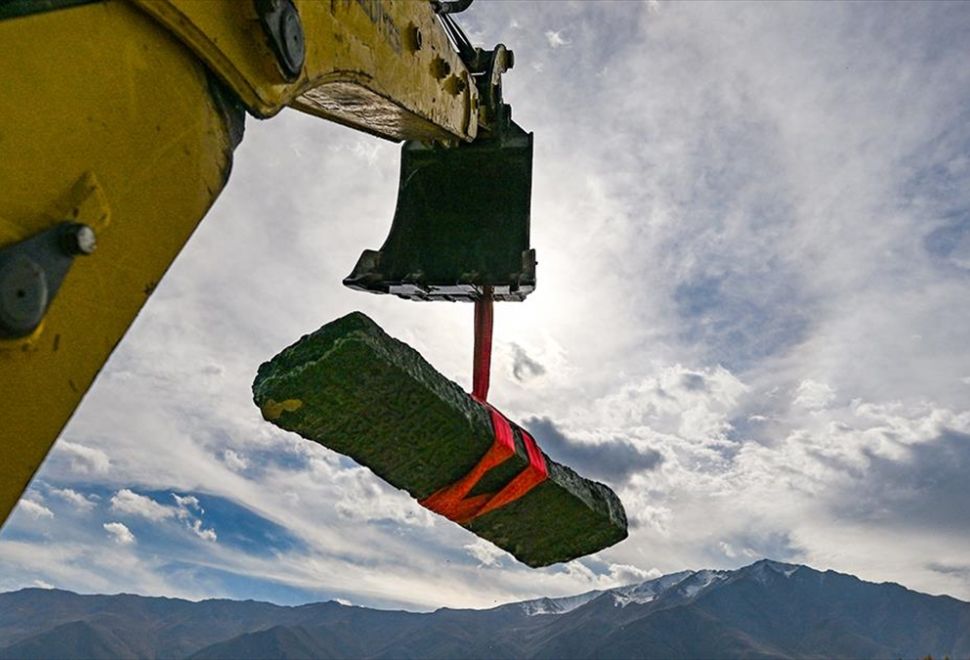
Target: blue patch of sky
{"x": 736, "y": 299}
{"x": 949, "y": 243}
{"x": 938, "y": 192}
{"x": 742, "y": 428}
{"x": 277, "y": 458}
{"x": 236, "y": 526}
{"x": 739, "y": 320}
{"x": 245, "y": 530}
{"x": 933, "y": 31}
{"x": 24, "y": 526}
{"x": 20, "y": 526}
{"x": 943, "y": 241}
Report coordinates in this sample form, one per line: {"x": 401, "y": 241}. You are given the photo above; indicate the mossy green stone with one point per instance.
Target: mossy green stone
{"x": 351, "y": 387}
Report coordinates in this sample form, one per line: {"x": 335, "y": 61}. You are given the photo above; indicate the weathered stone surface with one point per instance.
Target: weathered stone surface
{"x": 351, "y": 387}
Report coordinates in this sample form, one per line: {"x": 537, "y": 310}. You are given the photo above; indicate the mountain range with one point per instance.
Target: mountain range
{"x": 765, "y": 610}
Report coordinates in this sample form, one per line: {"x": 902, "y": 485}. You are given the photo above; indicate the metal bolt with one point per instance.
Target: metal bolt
{"x": 23, "y": 296}
{"x": 78, "y": 239}
{"x": 414, "y": 38}
{"x": 292, "y": 48}
{"x": 281, "y": 24}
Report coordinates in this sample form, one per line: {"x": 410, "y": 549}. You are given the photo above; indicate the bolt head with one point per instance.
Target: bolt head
{"x": 23, "y": 296}
{"x": 292, "y": 46}
{"x": 87, "y": 242}
{"x": 78, "y": 239}
{"x": 414, "y": 39}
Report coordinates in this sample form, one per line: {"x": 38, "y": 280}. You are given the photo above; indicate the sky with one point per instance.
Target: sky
{"x": 752, "y": 223}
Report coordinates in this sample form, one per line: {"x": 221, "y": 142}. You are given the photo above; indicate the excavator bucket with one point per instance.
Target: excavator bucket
{"x": 461, "y": 223}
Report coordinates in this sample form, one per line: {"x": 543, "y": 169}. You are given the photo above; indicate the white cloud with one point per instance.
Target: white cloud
{"x": 626, "y": 574}
{"x": 202, "y": 533}
{"x": 487, "y": 554}
{"x": 616, "y": 575}
{"x": 186, "y": 505}
{"x": 187, "y": 509}
{"x": 813, "y": 395}
{"x": 42, "y": 584}
{"x": 235, "y": 461}
{"x": 119, "y": 532}
{"x": 35, "y": 510}
{"x": 84, "y": 459}
{"x": 368, "y": 151}
{"x": 556, "y": 39}
{"x": 131, "y": 503}
{"x": 364, "y": 498}
{"x": 79, "y": 501}
{"x": 693, "y": 404}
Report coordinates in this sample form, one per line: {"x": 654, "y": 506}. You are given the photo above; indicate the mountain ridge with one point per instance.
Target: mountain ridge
{"x": 765, "y": 609}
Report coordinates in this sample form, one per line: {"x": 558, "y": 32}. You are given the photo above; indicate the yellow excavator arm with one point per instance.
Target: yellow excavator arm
{"x": 118, "y": 119}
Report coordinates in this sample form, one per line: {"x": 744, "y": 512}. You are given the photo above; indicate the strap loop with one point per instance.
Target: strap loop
{"x": 453, "y": 502}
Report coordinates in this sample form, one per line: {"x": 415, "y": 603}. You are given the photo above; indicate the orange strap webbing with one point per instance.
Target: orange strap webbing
{"x": 452, "y": 501}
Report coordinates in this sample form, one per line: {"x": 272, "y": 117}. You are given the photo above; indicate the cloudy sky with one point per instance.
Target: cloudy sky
{"x": 752, "y": 320}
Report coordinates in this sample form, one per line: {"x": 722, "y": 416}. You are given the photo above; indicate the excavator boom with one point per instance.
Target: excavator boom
{"x": 119, "y": 122}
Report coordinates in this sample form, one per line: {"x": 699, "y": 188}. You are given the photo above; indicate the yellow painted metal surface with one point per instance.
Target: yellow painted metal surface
{"x": 382, "y": 66}
{"x": 108, "y": 119}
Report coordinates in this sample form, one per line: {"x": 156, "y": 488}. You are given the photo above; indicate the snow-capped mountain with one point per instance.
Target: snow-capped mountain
{"x": 686, "y": 584}
{"x": 765, "y": 610}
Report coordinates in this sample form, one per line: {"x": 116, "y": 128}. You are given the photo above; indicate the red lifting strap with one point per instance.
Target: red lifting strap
{"x": 481, "y": 368}
{"x": 452, "y": 501}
